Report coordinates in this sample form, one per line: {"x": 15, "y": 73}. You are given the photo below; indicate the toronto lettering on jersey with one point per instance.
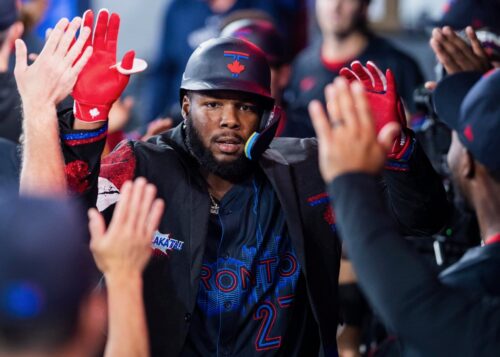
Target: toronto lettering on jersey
{"x": 229, "y": 279}
{"x": 260, "y": 287}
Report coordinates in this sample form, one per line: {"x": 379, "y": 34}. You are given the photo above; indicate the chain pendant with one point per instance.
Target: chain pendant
{"x": 214, "y": 209}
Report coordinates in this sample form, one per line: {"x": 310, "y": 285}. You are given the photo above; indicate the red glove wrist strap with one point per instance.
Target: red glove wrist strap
{"x": 91, "y": 112}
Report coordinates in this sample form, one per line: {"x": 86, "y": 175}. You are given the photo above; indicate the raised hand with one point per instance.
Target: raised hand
{"x": 103, "y": 79}
{"x": 346, "y": 133}
{"x": 385, "y": 103}
{"x": 52, "y": 76}
{"x": 125, "y": 247}
{"x": 455, "y": 54}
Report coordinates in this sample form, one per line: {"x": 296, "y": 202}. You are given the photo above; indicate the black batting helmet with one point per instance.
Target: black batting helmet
{"x": 228, "y": 64}
{"x": 235, "y": 65}
{"x": 261, "y": 33}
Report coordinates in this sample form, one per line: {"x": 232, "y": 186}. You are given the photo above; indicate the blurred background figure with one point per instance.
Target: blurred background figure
{"x": 181, "y": 36}
{"x": 47, "y": 303}
{"x": 258, "y": 29}
{"x": 345, "y": 37}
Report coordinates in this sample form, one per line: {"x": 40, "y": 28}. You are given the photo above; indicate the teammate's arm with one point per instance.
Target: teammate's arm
{"x": 434, "y": 319}
{"x": 121, "y": 253}
{"x": 42, "y": 86}
{"x": 101, "y": 82}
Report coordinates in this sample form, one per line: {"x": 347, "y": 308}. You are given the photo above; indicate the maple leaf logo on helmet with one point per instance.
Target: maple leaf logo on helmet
{"x": 236, "y": 67}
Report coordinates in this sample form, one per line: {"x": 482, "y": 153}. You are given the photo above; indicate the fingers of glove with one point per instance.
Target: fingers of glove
{"x": 112, "y": 34}
{"x": 363, "y": 110}
{"x": 391, "y": 82}
{"x": 68, "y": 37}
{"x": 55, "y": 37}
{"x": 348, "y": 74}
{"x": 378, "y": 77}
{"x": 21, "y": 53}
{"x": 128, "y": 60}
{"x": 78, "y": 47}
{"x": 402, "y": 114}
{"x": 363, "y": 74}
{"x": 88, "y": 21}
{"x": 127, "y": 63}
{"x": 100, "y": 30}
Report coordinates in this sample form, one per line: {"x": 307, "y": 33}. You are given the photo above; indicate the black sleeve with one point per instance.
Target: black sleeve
{"x": 415, "y": 194}
{"x": 82, "y": 151}
{"x": 10, "y": 108}
{"x": 428, "y": 316}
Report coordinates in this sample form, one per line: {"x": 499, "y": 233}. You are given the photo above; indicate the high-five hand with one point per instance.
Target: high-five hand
{"x": 347, "y": 139}
{"x": 455, "y": 54}
{"x": 103, "y": 79}
{"x": 52, "y": 76}
{"x": 125, "y": 247}
{"x": 385, "y": 103}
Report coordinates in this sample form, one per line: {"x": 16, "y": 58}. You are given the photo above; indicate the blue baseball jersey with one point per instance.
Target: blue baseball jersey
{"x": 252, "y": 296}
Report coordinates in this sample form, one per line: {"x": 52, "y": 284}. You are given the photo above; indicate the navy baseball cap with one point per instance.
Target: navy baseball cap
{"x": 468, "y": 103}
{"x": 8, "y": 13}
{"x": 46, "y": 268}
{"x": 476, "y": 13}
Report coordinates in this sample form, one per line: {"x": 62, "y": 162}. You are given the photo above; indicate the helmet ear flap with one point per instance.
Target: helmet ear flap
{"x": 260, "y": 141}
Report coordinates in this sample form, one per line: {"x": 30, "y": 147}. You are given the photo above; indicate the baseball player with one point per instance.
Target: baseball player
{"x": 246, "y": 257}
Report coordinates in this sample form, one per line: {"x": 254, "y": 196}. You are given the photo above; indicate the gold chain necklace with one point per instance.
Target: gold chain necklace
{"x": 214, "y": 206}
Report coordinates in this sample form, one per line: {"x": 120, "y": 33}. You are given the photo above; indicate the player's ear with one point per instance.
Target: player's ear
{"x": 186, "y": 105}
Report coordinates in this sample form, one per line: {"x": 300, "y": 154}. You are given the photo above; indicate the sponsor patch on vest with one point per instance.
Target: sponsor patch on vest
{"x": 164, "y": 243}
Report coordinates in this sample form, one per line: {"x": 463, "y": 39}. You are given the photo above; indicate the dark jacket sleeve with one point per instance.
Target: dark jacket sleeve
{"x": 10, "y": 108}
{"x": 428, "y": 316}
{"x": 415, "y": 194}
{"x": 82, "y": 151}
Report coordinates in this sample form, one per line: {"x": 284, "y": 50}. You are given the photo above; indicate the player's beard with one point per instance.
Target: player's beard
{"x": 234, "y": 171}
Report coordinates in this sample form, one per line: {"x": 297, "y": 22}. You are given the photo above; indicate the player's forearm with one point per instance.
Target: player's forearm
{"x": 128, "y": 333}
{"x": 42, "y": 171}
{"x": 425, "y": 313}
{"x": 416, "y": 197}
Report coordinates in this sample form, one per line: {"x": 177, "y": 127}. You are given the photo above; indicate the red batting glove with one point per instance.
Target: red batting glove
{"x": 384, "y": 101}
{"x": 100, "y": 83}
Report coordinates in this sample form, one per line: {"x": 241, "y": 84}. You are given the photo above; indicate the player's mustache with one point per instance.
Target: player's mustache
{"x": 232, "y": 138}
